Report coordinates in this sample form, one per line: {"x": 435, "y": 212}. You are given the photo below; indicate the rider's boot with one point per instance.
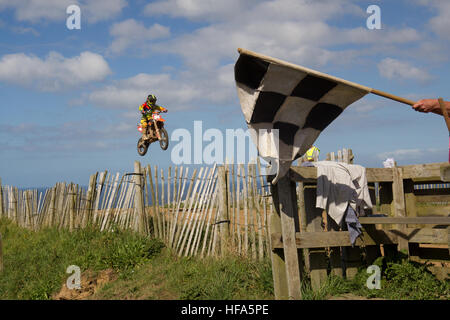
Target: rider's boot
{"x": 144, "y": 133}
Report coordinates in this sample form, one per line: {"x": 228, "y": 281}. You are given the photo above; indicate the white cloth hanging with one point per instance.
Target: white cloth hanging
{"x": 339, "y": 185}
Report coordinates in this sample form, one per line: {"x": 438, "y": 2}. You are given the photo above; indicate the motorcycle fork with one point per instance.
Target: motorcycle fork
{"x": 157, "y": 129}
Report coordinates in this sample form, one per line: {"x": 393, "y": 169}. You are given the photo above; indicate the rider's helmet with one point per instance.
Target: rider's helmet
{"x": 151, "y": 99}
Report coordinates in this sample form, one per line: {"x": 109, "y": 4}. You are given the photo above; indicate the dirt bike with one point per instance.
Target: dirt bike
{"x": 154, "y": 131}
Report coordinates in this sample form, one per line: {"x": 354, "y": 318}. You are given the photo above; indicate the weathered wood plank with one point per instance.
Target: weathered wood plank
{"x": 405, "y": 220}
{"x": 309, "y": 174}
{"x": 288, "y": 209}
{"x": 424, "y": 211}
{"x": 305, "y": 240}
{"x": 152, "y": 192}
{"x": 139, "y": 198}
{"x": 420, "y": 172}
{"x": 223, "y": 209}
{"x": 445, "y": 173}
{"x": 280, "y": 281}
{"x": 317, "y": 258}
{"x": 433, "y": 198}
{"x": 399, "y": 203}
{"x": 424, "y": 172}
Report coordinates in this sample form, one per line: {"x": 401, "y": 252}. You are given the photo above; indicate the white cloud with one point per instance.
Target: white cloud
{"x": 200, "y": 9}
{"x": 99, "y": 10}
{"x": 55, "y": 10}
{"x": 53, "y": 73}
{"x": 394, "y": 69}
{"x": 440, "y": 23}
{"x": 133, "y": 33}
{"x": 295, "y": 30}
{"x": 189, "y": 90}
{"x": 131, "y": 92}
{"x": 213, "y": 10}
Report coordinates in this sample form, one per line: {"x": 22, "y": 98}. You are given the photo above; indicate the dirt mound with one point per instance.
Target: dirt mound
{"x": 90, "y": 283}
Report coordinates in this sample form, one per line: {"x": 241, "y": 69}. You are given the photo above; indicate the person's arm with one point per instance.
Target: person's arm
{"x": 431, "y": 105}
{"x": 162, "y": 109}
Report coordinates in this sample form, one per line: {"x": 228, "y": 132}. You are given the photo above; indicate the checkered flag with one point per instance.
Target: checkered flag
{"x": 293, "y": 102}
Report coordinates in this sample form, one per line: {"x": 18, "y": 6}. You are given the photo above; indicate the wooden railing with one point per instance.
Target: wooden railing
{"x": 401, "y": 226}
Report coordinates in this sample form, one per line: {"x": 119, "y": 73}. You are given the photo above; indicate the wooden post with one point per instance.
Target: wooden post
{"x": 163, "y": 210}
{"x": 138, "y": 198}
{"x": 233, "y": 203}
{"x": 14, "y": 201}
{"x": 223, "y": 209}
{"x": 245, "y": 202}
{"x": 52, "y": 207}
{"x": 280, "y": 281}
{"x": 251, "y": 211}
{"x": 152, "y": 191}
{"x": 98, "y": 194}
{"x": 410, "y": 198}
{"x": 288, "y": 211}
{"x": 317, "y": 257}
{"x": 386, "y": 207}
{"x": 71, "y": 192}
{"x": 169, "y": 186}
{"x": 335, "y": 252}
{"x": 237, "y": 220}
{"x": 1, "y": 199}
{"x": 256, "y": 199}
{"x": 302, "y": 219}
{"x": 87, "y": 219}
{"x": 399, "y": 205}
{"x": 158, "y": 213}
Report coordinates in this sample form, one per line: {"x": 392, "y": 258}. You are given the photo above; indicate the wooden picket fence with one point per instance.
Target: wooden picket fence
{"x": 203, "y": 211}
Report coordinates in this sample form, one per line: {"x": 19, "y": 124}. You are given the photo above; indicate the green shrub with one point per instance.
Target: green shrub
{"x": 400, "y": 280}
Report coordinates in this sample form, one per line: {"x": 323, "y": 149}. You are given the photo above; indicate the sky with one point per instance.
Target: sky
{"x": 69, "y": 98}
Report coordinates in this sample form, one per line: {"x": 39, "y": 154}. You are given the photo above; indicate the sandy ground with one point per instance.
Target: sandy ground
{"x": 90, "y": 284}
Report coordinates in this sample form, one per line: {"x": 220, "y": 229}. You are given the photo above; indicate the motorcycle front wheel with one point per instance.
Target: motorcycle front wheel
{"x": 142, "y": 147}
{"x": 164, "y": 142}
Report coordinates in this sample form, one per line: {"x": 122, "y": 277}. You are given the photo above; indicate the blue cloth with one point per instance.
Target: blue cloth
{"x": 353, "y": 226}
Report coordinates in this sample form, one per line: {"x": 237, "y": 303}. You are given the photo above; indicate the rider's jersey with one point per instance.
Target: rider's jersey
{"x": 144, "y": 108}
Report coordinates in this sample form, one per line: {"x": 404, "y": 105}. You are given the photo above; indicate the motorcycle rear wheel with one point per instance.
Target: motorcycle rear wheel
{"x": 142, "y": 147}
{"x": 164, "y": 142}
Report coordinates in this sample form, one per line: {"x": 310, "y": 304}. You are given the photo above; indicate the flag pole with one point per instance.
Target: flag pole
{"x": 392, "y": 97}
{"x": 447, "y": 121}
{"x": 324, "y": 75}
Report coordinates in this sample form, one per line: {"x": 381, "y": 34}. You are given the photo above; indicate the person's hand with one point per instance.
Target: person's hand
{"x": 427, "y": 105}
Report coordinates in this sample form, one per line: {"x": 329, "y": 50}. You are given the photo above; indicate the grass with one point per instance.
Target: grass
{"x": 35, "y": 266}
{"x": 400, "y": 280}
{"x": 35, "y": 263}
{"x": 171, "y": 277}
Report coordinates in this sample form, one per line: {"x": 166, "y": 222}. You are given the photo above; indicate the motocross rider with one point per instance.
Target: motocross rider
{"x": 146, "y": 109}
